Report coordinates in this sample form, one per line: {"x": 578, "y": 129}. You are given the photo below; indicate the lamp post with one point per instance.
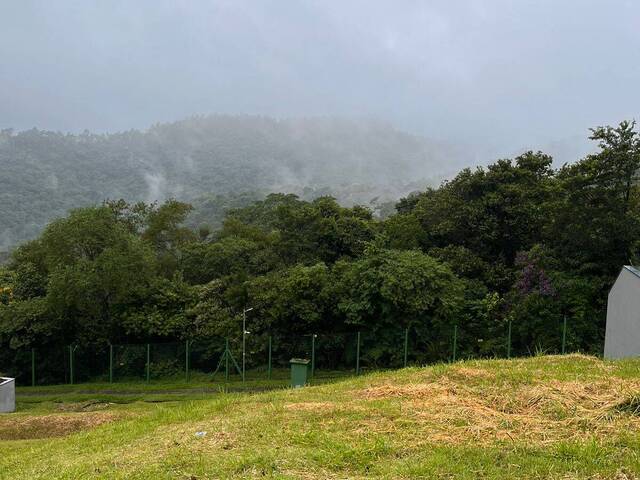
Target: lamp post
{"x": 244, "y": 336}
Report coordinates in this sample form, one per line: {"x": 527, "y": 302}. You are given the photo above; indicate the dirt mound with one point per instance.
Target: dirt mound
{"x": 47, "y": 426}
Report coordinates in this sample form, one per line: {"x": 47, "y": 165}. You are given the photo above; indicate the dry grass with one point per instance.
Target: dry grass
{"x": 453, "y": 410}
{"x": 312, "y": 406}
{"x": 48, "y": 426}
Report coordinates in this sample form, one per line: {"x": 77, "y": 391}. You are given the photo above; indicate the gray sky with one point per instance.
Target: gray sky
{"x": 500, "y": 75}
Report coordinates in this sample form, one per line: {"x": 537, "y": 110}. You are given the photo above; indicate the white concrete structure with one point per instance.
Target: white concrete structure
{"x": 622, "y": 336}
{"x": 7, "y": 395}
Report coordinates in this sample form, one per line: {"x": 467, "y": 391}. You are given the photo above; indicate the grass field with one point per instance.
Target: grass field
{"x": 542, "y": 417}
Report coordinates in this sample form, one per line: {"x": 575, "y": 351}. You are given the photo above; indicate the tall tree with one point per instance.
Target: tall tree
{"x": 596, "y": 224}
{"x": 96, "y": 268}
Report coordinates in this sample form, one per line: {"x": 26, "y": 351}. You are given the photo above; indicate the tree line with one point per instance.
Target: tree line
{"x": 518, "y": 242}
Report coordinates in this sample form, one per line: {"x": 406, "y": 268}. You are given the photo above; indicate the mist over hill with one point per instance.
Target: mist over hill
{"x": 44, "y": 174}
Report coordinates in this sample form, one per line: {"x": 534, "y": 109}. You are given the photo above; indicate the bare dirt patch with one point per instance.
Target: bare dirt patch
{"x": 90, "y": 406}
{"x": 49, "y": 426}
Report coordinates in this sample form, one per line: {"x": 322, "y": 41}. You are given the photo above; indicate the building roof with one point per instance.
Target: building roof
{"x": 633, "y": 270}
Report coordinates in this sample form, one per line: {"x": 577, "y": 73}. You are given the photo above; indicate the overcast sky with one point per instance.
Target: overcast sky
{"x": 499, "y": 74}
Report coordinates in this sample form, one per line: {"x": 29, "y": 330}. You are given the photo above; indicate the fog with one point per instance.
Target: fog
{"x": 495, "y": 77}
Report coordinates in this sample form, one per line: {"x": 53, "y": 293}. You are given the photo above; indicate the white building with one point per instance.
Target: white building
{"x": 7, "y": 395}
{"x": 622, "y": 336}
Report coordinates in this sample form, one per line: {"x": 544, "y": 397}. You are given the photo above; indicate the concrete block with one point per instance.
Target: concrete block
{"x": 7, "y": 395}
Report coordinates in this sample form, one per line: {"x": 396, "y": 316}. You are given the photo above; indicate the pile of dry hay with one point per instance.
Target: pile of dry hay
{"x": 451, "y": 409}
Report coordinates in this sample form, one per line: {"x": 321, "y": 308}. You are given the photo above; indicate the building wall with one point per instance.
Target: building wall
{"x": 622, "y": 336}
{"x": 7, "y": 395}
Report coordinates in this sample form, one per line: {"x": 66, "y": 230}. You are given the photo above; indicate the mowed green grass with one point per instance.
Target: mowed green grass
{"x": 199, "y": 386}
{"x": 544, "y": 417}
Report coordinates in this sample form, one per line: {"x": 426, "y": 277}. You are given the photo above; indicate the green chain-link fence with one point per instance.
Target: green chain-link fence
{"x": 266, "y": 353}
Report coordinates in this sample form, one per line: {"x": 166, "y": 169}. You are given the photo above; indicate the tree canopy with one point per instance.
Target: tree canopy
{"x": 516, "y": 242}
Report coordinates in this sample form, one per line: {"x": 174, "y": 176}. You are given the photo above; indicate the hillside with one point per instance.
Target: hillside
{"x": 44, "y": 174}
{"x": 543, "y": 417}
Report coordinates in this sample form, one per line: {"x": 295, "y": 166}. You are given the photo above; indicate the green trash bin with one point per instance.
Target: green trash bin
{"x": 299, "y": 372}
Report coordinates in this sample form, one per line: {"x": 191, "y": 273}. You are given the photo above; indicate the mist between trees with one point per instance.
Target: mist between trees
{"x": 213, "y": 162}
{"x": 516, "y": 243}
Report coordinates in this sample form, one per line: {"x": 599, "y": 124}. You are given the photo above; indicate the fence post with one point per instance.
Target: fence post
{"x": 269, "y": 362}
{"x": 33, "y": 367}
{"x": 406, "y": 346}
{"x": 564, "y": 334}
{"x": 509, "y": 341}
{"x": 110, "y": 363}
{"x": 71, "y": 364}
{"x": 226, "y": 359}
{"x": 313, "y": 354}
{"x": 358, "y": 354}
{"x": 148, "y": 362}
{"x": 455, "y": 341}
{"x": 186, "y": 360}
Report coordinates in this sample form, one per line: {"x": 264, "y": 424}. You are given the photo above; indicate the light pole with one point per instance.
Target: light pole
{"x": 244, "y": 336}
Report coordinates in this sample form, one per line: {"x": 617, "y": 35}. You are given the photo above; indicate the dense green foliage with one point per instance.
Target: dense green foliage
{"x": 515, "y": 242}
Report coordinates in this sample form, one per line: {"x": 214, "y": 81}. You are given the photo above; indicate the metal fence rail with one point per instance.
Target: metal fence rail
{"x": 337, "y": 353}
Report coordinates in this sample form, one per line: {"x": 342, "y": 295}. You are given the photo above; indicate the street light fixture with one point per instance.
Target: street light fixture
{"x": 244, "y": 343}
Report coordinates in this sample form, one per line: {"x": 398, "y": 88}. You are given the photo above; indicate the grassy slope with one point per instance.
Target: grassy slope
{"x": 545, "y": 417}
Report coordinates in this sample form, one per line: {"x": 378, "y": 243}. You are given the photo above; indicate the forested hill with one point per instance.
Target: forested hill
{"x": 517, "y": 246}
{"x": 44, "y": 174}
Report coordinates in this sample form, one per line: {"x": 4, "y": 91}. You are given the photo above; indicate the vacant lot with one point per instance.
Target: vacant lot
{"x": 544, "y": 417}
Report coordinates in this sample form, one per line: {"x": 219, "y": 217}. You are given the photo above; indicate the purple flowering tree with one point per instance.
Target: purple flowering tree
{"x": 533, "y": 278}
